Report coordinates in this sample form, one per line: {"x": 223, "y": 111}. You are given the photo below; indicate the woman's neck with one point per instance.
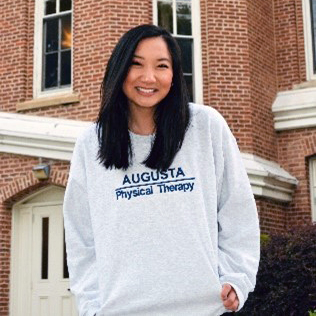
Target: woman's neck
{"x": 141, "y": 121}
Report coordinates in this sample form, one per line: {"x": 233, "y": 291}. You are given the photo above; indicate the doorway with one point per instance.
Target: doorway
{"x": 39, "y": 272}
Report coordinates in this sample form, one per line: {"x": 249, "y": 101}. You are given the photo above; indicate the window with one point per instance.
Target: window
{"x": 309, "y": 16}
{"x": 312, "y": 177}
{"x": 53, "y": 47}
{"x": 181, "y": 18}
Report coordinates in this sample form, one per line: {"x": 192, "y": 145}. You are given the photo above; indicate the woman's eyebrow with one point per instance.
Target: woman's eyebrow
{"x": 164, "y": 59}
{"x": 159, "y": 59}
{"x": 139, "y": 56}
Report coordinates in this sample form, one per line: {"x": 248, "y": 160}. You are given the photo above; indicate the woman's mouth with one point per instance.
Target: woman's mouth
{"x": 146, "y": 90}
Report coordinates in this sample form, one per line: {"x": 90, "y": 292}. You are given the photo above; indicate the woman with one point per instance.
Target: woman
{"x": 159, "y": 214}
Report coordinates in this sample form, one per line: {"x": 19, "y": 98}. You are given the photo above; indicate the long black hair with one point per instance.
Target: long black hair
{"x": 171, "y": 114}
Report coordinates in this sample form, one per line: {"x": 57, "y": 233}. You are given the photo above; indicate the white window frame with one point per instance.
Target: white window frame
{"x": 38, "y": 54}
{"x": 197, "y": 52}
{"x": 308, "y": 40}
{"x": 312, "y": 184}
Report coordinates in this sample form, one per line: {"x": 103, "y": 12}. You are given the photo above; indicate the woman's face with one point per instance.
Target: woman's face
{"x": 150, "y": 75}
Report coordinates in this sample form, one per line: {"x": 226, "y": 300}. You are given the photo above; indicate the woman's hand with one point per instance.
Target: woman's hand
{"x": 229, "y": 297}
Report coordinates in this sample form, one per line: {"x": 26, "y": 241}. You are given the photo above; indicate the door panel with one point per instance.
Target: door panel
{"x": 50, "y": 294}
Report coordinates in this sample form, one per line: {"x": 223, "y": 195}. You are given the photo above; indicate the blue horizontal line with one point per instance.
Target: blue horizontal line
{"x": 142, "y": 185}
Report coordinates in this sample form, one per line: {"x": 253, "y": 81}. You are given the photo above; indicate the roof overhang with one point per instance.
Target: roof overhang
{"x": 39, "y": 136}
{"x": 295, "y": 109}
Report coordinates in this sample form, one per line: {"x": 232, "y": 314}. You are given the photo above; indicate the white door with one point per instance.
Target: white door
{"x": 50, "y": 286}
{"x": 39, "y": 273}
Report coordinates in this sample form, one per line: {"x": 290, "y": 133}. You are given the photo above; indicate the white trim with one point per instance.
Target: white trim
{"x": 174, "y": 19}
{"x": 42, "y": 191}
{"x": 38, "y": 55}
{"x": 295, "y": 109}
{"x": 312, "y": 184}
{"x": 197, "y": 50}
{"x": 308, "y": 41}
{"x": 20, "y": 279}
{"x": 268, "y": 179}
{"x": 38, "y": 136}
{"x": 155, "y": 12}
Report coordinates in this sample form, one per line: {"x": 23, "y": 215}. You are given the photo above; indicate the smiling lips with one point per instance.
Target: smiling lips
{"x": 145, "y": 91}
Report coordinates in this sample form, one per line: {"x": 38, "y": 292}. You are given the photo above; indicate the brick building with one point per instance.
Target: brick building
{"x": 254, "y": 61}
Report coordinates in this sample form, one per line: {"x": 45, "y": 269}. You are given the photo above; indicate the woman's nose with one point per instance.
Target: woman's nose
{"x": 148, "y": 76}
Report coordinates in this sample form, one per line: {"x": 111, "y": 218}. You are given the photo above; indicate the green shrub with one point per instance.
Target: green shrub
{"x": 286, "y": 280}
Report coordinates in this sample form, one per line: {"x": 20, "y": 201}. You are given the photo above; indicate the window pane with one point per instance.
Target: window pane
{"x": 186, "y": 53}
{"x": 45, "y": 234}
{"x": 65, "y": 72}
{"x": 313, "y": 22}
{"x": 65, "y": 265}
{"x": 51, "y": 63}
{"x": 65, "y": 5}
{"x": 50, "y": 7}
{"x": 66, "y": 32}
{"x": 165, "y": 15}
{"x": 51, "y": 35}
{"x": 184, "y": 19}
{"x": 189, "y": 81}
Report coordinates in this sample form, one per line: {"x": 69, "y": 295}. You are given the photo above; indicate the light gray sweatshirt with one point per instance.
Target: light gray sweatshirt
{"x": 144, "y": 243}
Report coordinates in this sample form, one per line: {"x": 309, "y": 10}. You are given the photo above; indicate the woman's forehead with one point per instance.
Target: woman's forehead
{"x": 153, "y": 48}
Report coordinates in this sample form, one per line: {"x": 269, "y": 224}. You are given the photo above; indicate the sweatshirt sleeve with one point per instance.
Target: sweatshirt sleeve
{"x": 81, "y": 257}
{"x": 238, "y": 225}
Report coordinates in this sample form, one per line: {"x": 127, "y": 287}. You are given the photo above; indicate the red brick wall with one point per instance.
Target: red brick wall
{"x": 13, "y": 52}
{"x": 239, "y": 69}
{"x": 5, "y": 242}
{"x": 294, "y": 149}
{"x": 272, "y": 215}
{"x": 263, "y": 77}
{"x": 289, "y": 35}
{"x": 225, "y": 60}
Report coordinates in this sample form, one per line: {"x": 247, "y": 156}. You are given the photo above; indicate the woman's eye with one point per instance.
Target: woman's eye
{"x": 136, "y": 63}
{"x": 163, "y": 66}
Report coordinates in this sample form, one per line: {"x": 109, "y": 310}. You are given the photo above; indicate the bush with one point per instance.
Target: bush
{"x": 286, "y": 280}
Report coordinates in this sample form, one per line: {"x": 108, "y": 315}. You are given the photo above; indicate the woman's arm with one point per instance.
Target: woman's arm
{"x": 238, "y": 226}
{"x": 81, "y": 257}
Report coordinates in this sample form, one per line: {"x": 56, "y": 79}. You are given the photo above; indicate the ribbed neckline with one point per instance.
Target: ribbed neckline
{"x": 142, "y": 137}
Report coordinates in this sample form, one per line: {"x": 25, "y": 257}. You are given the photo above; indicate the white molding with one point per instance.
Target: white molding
{"x": 197, "y": 48}
{"x": 38, "y": 55}
{"x": 308, "y": 41}
{"x": 155, "y": 12}
{"x": 268, "y": 179}
{"x": 20, "y": 279}
{"x": 38, "y": 136}
{"x": 38, "y": 47}
{"x": 197, "y": 52}
{"x": 295, "y": 109}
